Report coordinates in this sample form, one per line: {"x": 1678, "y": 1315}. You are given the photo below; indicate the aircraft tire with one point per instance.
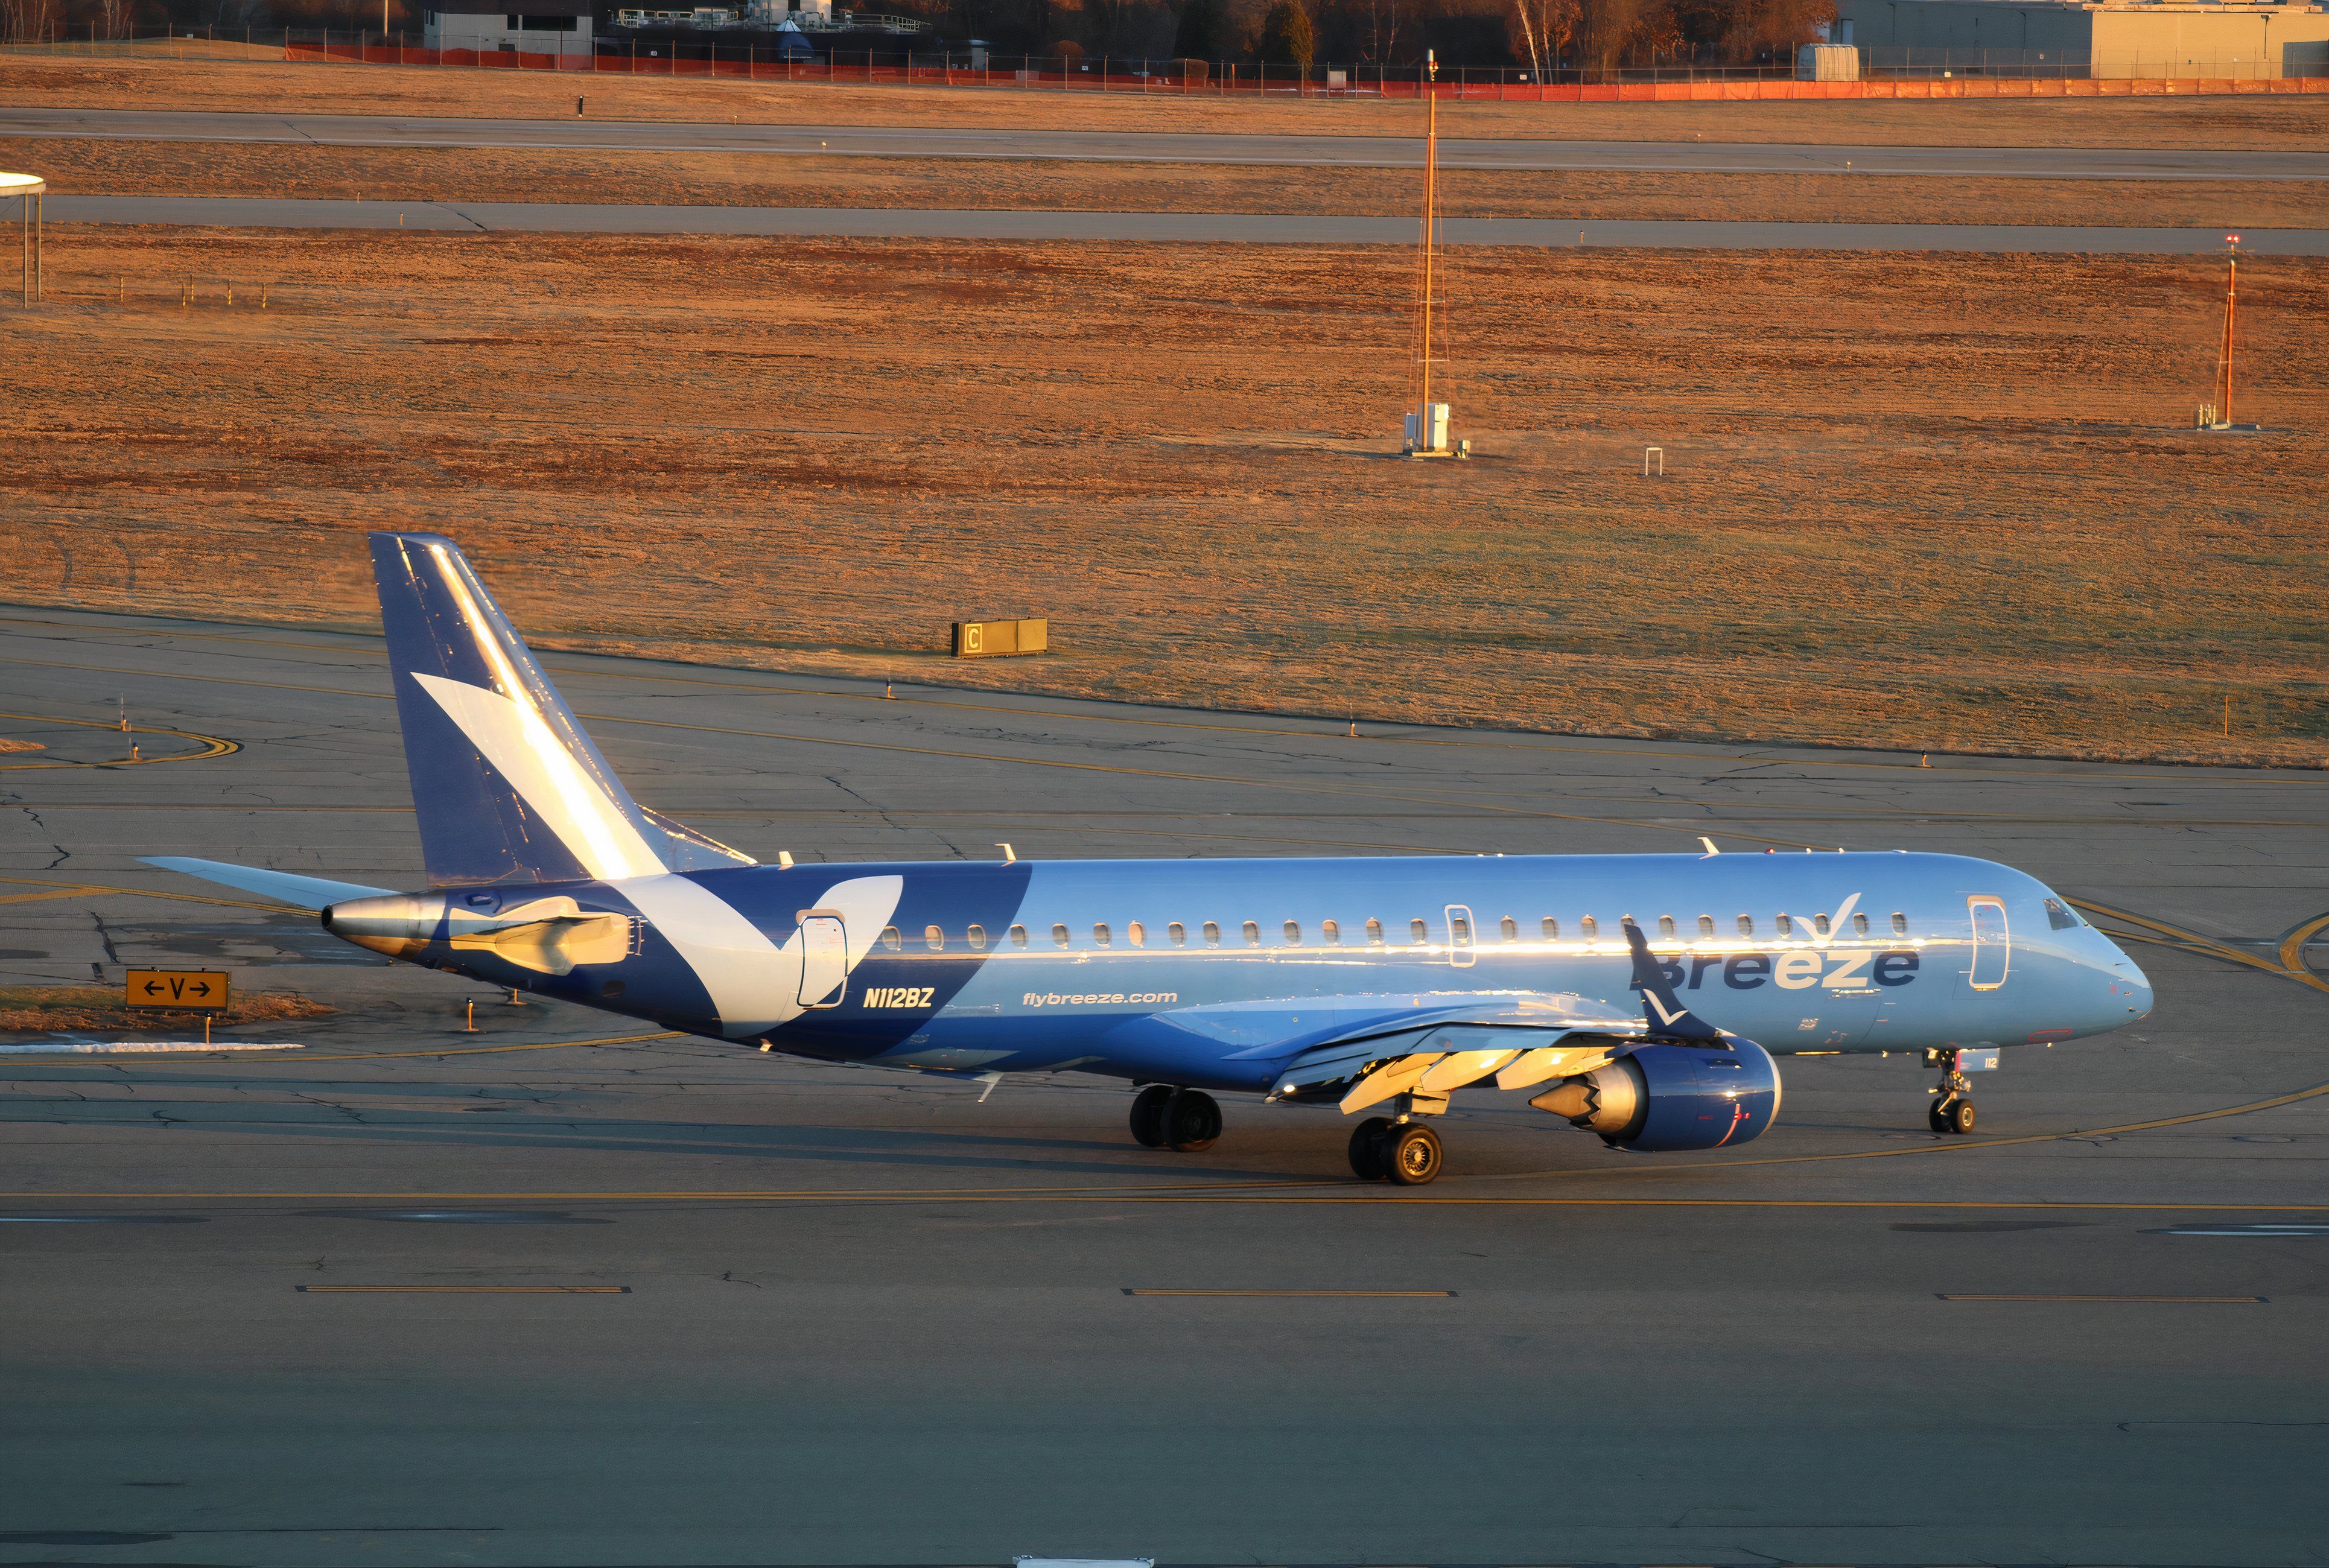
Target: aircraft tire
{"x": 1367, "y": 1161}
{"x": 1148, "y": 1115}
{"x": 1961, "y": 1117}
{"x": 1412, "y": 1153}
{"x": 1192, "y": 1122}
{"x": 1937, "y": 1116}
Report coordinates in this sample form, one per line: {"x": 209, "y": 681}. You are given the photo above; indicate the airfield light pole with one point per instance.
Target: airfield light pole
{"x": 2224, "y": 361}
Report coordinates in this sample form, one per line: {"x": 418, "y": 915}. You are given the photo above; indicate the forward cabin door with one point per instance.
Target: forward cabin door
{"x": 1992, "y": 947}
{"x": 1460, "y": 950}
{"x": 824, "y": 959}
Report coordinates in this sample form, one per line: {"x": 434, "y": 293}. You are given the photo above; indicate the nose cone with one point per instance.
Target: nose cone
{"x": 2130, "y": 988}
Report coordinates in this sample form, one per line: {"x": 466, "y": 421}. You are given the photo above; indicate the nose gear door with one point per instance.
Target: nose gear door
{"x": 824, "y": 959}
{"x": 1992, "y": 947}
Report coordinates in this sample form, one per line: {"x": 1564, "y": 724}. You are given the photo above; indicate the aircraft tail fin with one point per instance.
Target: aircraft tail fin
{"x": 1663, "y": 1012}
{"x": 508, "y": 786}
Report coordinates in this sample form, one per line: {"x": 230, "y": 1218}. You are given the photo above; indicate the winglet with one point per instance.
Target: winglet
{"x": 1662, "y": 1011}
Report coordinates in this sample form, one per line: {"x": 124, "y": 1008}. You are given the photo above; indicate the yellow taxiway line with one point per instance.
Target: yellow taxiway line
{"x": 212, "y": 745}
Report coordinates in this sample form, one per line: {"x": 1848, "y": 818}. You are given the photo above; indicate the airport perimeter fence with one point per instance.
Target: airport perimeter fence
{"x": 1885, "y": 73}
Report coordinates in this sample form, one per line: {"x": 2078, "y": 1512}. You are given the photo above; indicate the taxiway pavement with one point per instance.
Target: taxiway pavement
{"x": 1170, "y": 147}
{"x": 1160, "y": 228}
{"x": 654, "y": 1299}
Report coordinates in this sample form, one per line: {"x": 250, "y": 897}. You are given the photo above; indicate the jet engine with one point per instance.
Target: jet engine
{"x": 1660, "y": 1098}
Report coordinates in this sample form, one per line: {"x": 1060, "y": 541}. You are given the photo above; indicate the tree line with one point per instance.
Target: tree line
{"x": 1541, "y": 36}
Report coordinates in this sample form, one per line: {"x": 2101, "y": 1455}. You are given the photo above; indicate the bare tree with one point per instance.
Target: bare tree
{"x": 29, "y": 21}
{"x": 116, "y": 17}
{"x": 1543, "y": 30}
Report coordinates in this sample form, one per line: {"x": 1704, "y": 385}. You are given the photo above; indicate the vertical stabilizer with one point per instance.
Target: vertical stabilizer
{"x": 507, "y": 787}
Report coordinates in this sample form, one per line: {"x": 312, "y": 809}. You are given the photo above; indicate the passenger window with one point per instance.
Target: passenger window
{"x": 1293, "y": 933}
{"x": 1590, "y": 928}
{"x": 1417, "y": 932}
{"x": 1860, "y": 925}
{"x": 1746, "y": 925}
{"x": 892, "y": 940}
{"x": 1819, "y": 924}
{"x": 1330, "y": 933}
{"x": 1665, "y": 925}
{"x": 1787, "y": 926}
{"x": 1099, "y": 934}
{"x": 976, "y": 936}
{"x": 1374, "y": 932}
{"x": 1136, "y": 934}
{"x": 1212, "y": 933}
{"x": 1552, "y": 928}
{"x": 934, "y": 936}
{"x": 1177, "y": 934}
{"x": 1509, "y": 929}
{"x": 1018, "y": 936}
{"x": 2058, "y": 917}
{"x": 1252, "y": 934}
{"x": 1060, "y": 936}
{"x": 1459, "y": 929}
{"x": 1706, "y": 925}
{"x": 1900, "y": 924}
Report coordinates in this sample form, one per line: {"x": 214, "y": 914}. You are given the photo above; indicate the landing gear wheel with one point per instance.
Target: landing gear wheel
{"x": 1192, "y": 1122}
{"x": 1961, "y": 1116}
{"x": 1367, "y": 1160}
{"x": 1937, "y": 1116}
{"x": 1412, "y": 1153}
{"x": 1148, "y": 1115}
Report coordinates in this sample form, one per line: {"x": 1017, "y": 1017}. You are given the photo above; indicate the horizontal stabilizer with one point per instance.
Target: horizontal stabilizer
{"x": 300, "y": 891}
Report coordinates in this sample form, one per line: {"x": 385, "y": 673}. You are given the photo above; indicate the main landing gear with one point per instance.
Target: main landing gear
{"x": 1952, "y": 1107}
{"x": 1402, "y": 1151}
{"x": 1185, "y": 1120}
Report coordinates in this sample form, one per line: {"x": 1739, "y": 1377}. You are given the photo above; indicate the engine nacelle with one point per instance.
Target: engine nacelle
{"x": 1661, "y": 1097}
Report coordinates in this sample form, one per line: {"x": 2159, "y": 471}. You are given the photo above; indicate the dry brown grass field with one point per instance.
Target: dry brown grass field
{"x": 1917, "y": 501}
{"x": 265, "y": 87}
{"x": 762, "y": 179}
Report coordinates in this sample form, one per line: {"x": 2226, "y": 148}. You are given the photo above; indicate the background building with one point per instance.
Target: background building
{"x": 534, "y": 27}
{"x": 2109, "y": 38}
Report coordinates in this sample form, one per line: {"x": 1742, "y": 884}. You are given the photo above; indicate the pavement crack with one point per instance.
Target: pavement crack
{"x": 104, "y": 936}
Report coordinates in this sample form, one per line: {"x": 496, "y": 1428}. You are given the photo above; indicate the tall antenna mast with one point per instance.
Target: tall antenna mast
{"x": 2224, "y": 360}
{"x": 1427, "y": 421}
{"x": 1431, "y": 220}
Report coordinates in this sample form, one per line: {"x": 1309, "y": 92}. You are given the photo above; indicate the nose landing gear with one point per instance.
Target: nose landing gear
{"x": 1952, "y": 1109}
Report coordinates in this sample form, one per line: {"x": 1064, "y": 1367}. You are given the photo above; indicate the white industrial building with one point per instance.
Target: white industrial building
{"x": 2098, "y": 38}
{"x": 511, "y": 26}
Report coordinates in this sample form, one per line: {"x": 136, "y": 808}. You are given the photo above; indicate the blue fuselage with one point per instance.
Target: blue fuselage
{"x": 1213, "y": 973}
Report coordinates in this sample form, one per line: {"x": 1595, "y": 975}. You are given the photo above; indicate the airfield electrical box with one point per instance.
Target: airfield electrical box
{"x": 974, "y": 639}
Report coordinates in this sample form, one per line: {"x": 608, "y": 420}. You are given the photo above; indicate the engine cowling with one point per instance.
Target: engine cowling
{"x": 1662, "y": 1098}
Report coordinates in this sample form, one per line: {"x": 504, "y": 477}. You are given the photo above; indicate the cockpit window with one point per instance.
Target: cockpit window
{"x": 2060, "y": 918}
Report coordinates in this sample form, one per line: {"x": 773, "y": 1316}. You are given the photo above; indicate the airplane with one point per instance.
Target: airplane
{"x": 1376, "y": 985}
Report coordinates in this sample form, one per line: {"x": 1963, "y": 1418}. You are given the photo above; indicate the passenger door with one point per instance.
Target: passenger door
{"x": 824, "y": 959}
{"x": 1993, "y": 946}
{"x": 1461, "y": 952}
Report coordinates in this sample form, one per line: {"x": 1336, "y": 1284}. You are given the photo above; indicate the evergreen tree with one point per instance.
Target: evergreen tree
{"x": 1286, "y": 35}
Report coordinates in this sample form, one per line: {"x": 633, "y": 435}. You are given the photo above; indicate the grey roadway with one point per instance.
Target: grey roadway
{"x": 871, "y": 1320}
{"x": 1173, "y": 147}
{"x": 1208, "y": 228}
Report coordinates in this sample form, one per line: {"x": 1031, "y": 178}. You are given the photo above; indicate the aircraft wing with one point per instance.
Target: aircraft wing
{"x": 1438, "y": 1055}
{"x": 1430, "y": 1053}
{"x": 301, "y": 892}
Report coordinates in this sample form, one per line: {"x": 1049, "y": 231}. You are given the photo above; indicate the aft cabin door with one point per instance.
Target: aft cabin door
{"x": 1991, "y": 945}
{"x": 825, "y": 960}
